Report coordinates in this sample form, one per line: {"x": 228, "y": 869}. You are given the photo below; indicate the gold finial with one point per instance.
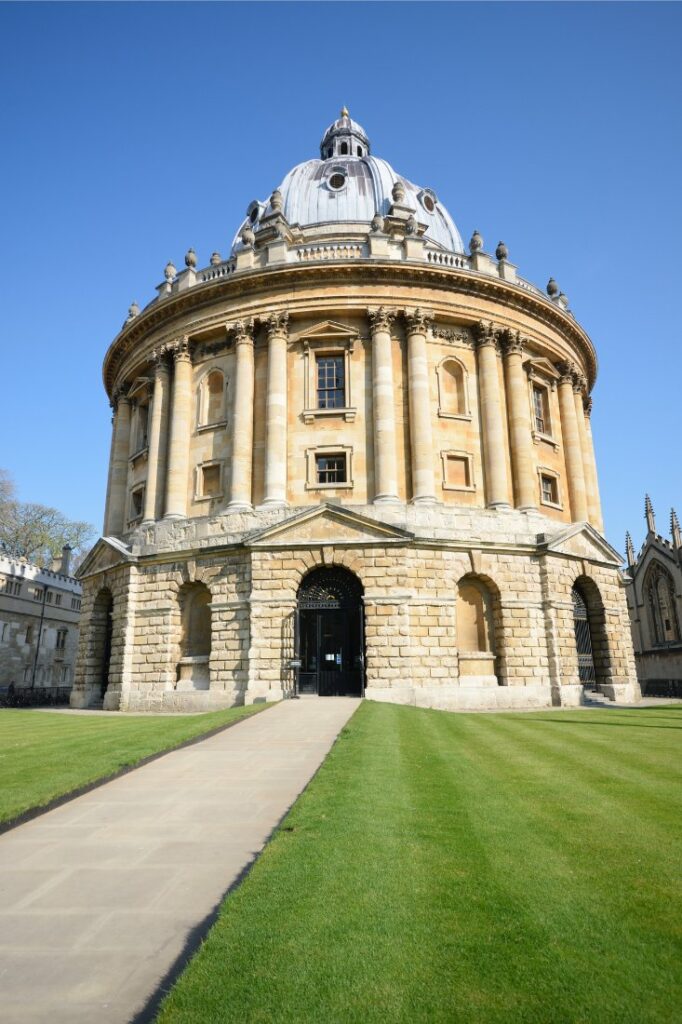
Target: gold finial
{"x": 344, "y": 112}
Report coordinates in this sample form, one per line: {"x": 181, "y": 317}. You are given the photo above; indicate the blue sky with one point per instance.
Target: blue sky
{"x": 130, "y": 132}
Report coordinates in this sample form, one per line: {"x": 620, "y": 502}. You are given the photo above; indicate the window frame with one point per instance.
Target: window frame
{"x": 203, "y": 424}
{"x": 138, "y": 489}
{"x": 327, "y": 340}
{"x": 545, "y": 471}
{"x": 312, "y": 483}
{"x": 452, "y": 453}
{"x": 199, "y": 480}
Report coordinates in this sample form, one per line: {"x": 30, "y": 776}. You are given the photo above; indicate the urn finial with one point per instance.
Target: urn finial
{"x": 398, "y": 192}
{"x": 476, "y": 243}
{"x": 190, "y": 258}
{"x": 133, "y": 310}
{"x": 552, "y": 288}
{"x": 276, "y": 201}
{"x": 247, "y": 236}
{"x": 170, "y": 271}
{"x": 501, "y": 253}
{"x": 216, "y": 259}
{"x": 377, "y": 223}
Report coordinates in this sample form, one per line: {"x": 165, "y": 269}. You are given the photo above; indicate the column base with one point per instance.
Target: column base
{"x": 387, "y": 499}
{"x": 270, "y": 503}
{"x": 424, "y": 499}
{"x": 498, "y": 504}
{"x": 239, "y": 506}
{"x": 175, "y": 515}
{"x": 526, "y": 508}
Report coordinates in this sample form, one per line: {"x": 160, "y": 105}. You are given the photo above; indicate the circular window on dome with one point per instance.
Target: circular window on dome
{"x": 428, "y": 200}
{"x": 337, "y": 180}
{"x": 253, "y": 211}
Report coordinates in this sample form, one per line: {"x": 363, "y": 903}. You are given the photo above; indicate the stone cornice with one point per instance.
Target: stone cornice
{"x": 271, "y": 280}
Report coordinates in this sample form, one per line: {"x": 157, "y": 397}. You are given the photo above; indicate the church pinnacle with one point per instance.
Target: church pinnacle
{"x": 649, "y": 514}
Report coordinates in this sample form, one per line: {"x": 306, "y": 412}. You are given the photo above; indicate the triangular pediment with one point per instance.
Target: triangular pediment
{"x": 107, "y": 553}
{"x": 542, "y": 367}
{"x": 328, "y": 330}
{"x": 581, "y": 541}
{"x": 328, "y": 524}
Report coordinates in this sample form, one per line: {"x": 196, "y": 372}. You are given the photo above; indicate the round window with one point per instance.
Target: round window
{"x": 337, "y": 180}
{"x": 428, "y": 201}
{"x": 253, "y": 211}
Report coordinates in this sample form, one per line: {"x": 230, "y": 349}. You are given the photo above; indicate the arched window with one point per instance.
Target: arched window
{"x": 212, "y": 399}
{"x": 452, "y": 388}
{"x": 475, "y": 629}
{"x": 344, "y": 149}
{"x": 660, "y": 598}
{"x": 101, "y": 631}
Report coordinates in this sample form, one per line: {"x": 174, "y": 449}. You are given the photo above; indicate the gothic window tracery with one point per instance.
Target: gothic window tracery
{"x": 660, "y": 598}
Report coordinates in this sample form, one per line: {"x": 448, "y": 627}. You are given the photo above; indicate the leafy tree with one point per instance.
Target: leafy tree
{"x": 38, "y": 533}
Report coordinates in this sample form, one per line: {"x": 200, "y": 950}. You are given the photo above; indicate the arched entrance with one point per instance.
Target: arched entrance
{"x": 583, "y": 640}
{"x": 330, "y": 633}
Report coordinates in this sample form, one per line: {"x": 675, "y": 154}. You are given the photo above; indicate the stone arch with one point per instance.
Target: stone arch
{"x": 194, "y": 641}
{"x": 659, "y": 595}
{"x": 585, "y": 590}
{"x": 330, "y": 631}
{"x": 453, "y": 387}
{"x": 479, "y": 630}
{"x": 101, "y": 636}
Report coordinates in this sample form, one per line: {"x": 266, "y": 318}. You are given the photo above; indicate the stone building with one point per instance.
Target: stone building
{"x": 39, "y": 620}
{"x": 352, "y": 457}
{"x": 654, "y": 597}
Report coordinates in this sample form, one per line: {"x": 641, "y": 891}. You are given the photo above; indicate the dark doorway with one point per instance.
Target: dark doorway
{"x": 583, "y": 640}
{"x": 101, "y": 633}
{"x": 331, "y": 634}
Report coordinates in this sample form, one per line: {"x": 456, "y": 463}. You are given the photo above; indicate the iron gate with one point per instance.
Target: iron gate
{"x": 583, "y": 640}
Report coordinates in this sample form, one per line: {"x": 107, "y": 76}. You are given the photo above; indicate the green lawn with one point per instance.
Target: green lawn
{"x": 45, "y": 755}
{"x": 463, "y": 868}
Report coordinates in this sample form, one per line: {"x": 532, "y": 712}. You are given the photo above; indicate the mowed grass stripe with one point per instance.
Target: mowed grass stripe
{"x": 455, "y": 868}
{"x": 45, "y": 755}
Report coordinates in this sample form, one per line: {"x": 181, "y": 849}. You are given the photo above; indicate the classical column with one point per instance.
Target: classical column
{"x": 242, "y": 417}
{"x": 494, "y": 439}
{"x": 118, "y": 490}
{"x": 591, "y": 477}
{"x": 276, "y": 412}
{"x": 383, "y": 403}
{"x": 178, "y": 449}
{"x": 419, "y": 396}
{"x": 518, "y": 412}
{"x": 158, "y": 440}
{"x": 573, "y": 452}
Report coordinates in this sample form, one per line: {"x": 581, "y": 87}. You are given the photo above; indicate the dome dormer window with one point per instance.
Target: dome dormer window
{"x": 337, "y": 179}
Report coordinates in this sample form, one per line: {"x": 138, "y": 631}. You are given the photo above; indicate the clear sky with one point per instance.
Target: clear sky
{"x": 132, "y": 131}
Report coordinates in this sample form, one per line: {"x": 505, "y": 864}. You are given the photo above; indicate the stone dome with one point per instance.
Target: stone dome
{"x": 349, "y": 186}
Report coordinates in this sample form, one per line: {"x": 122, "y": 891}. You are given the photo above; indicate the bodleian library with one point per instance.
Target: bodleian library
{"x": 352, "y": 458}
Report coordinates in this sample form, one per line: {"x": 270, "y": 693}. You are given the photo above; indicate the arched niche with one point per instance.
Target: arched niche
{"x": 659, "y": 595}
{"x": 477, "y": 616}
{"x": 453, "y": 389}
{"x": 193, "y": 667}
{"x": 212, "y": 398}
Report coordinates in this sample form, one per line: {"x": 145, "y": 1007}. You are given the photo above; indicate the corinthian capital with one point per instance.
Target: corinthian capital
{"x": 579, "y": 383}
{"x": 277, "y": 324}
{"x": 511, "y": 341}
{"x": 179, "y": 350}
{"x": 486, "y": 333}
{"x": 242, "y": 332}
{"x": 418, "y": 321}
{"x": 567, "y": 372}
{"x": 381, "y": 319}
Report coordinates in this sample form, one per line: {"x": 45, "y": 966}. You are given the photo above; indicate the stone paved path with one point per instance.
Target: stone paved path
{"x": 98, "y": 898}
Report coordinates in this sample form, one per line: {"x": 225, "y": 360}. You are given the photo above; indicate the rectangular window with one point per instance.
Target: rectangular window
{"x": 142, "y": 426}
{"x": 541, "y": 409}
{"x": 27, "y": 673}
{"x": 75, "y": 604}
{"x": 550, "y": 491}
{"x": 57, "y": 599}
{"x": 29, "y": 635}
{"x": 37, "y": 594}
{"x": 331, "y": 382}
{"x": 61, "y": 639}
{"x": 210, "y": 481}
{"x": 331, "y": 469}
{"x": 49, "y": 597}
{"x": 5, "y": 631}
{"x": 137, "y": 503}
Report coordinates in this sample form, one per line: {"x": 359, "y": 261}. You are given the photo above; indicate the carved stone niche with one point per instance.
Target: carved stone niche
{"x": 326, "y": 339}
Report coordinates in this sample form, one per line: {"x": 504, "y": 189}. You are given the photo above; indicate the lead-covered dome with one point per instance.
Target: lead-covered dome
{"x": 348, "y": 185}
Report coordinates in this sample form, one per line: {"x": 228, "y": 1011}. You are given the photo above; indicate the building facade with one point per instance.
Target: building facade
{"x": 654, "y": 597}
{"x": 39, "y": 626}
{"x": 352, "y": 457}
